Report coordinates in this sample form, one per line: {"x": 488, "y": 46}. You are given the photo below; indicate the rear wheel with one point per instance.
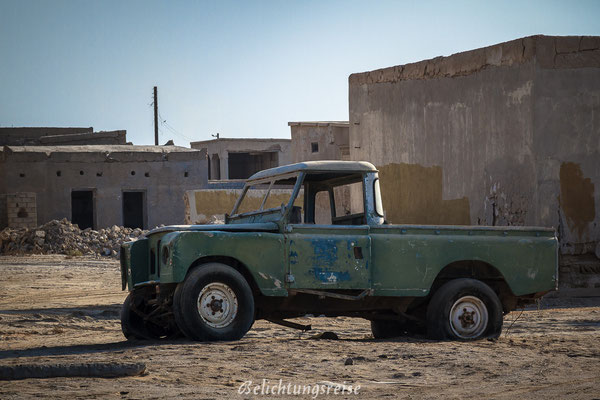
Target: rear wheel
{"x": 214, "y": 303}
{"x": 464, "y": 309}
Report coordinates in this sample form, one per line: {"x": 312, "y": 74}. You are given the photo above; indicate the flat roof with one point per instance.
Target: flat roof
{"x": 339, "y": 124}
{"x": 240, "y": 140}
{"x": 316, "y": 166}
{"x": 97, "y": 148}
{"x": 548, "y": 51}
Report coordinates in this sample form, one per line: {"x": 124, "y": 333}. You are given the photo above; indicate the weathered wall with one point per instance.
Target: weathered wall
{"x": 504, "y": 135}
{"x": 164, "y": 173}
{"x": 332, "y": 139}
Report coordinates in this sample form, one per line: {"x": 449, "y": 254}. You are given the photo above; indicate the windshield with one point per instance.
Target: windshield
{"x": 265, "y": 196}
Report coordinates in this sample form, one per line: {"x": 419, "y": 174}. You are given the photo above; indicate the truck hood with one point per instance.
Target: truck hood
{"x": 254, "y": 227}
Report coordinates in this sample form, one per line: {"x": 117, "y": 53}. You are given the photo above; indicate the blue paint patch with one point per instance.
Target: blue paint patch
{"x": 293, "y": 257}
{"x": 326, "y": 276}
{"x": 325, "y": 252}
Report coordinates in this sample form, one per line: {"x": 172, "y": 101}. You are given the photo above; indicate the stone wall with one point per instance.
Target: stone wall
{"x": 504, "y": 135}
{"x": 21, "y": 210}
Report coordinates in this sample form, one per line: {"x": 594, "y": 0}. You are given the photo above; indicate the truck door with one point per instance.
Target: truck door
{"x": 328, "y": 256}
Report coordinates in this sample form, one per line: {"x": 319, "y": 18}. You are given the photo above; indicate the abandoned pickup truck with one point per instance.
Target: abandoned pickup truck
{"x": 323, "y": 247}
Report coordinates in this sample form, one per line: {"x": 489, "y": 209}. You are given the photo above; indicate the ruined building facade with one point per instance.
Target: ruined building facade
{"x": 97, "y": 186}
{"x": 503, "y": 135}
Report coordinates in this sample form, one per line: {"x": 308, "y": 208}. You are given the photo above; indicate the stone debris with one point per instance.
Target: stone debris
{"x": 63, "y": 237}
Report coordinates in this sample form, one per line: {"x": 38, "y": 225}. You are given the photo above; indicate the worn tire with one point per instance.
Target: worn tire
{"x": 385, "y": 329}
{"x": 464, "y": 309}
{"x": 136, "y": 327}
{"x": 178, "y": 312}
{"x": 132, "y": 324}
{"x": 226, "y": 310}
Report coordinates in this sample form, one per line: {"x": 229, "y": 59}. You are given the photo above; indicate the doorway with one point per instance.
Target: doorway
{"x": 134, "y": 209}
{"x": 82, "y": 208}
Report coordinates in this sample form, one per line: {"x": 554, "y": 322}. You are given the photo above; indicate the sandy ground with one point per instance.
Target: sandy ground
{"x": 59, "y": 310}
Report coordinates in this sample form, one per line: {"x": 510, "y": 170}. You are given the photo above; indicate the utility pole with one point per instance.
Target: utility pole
{"x": 155, "y": 117}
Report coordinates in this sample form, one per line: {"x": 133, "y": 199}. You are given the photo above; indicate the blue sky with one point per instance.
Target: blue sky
{"x": 243, "y": 69}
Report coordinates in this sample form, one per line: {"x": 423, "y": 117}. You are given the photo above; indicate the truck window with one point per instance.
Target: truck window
{"x": 349, "y": 204}
{"x": 269, "y": 196}
{"x": 322, "y": 208}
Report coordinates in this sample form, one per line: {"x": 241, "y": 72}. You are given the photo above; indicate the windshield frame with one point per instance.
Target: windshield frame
{"x": 271, "y": 182}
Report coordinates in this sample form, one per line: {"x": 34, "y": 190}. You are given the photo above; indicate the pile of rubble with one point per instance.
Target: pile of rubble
{"x": 62, "y": 237}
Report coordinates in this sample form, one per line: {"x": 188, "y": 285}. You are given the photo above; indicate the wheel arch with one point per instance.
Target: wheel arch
{"x": 482, "y": 271}
{"x": 233, "y": 263}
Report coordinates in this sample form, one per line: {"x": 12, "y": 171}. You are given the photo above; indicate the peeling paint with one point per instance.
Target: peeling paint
{"x": 412, "y": 194}
{"x": 576, "y": 198}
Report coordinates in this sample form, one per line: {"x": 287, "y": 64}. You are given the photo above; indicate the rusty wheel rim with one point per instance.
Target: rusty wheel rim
{"x": 468, "y": 317}
{"x": 217, "y": 305}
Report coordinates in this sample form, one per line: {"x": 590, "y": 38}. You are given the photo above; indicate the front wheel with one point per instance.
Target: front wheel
{"x": 214, "y": 303}
{"x": 464, "y": 309}
{"x": 143, "y": 319}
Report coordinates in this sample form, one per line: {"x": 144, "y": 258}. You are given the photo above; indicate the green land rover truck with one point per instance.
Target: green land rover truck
{"x": 317, "y": 242}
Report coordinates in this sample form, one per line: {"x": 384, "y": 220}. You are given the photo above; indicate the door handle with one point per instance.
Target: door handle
{"x": 358, "y": 253}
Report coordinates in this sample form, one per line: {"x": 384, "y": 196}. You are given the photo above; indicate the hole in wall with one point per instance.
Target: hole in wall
{"x": 147, "y": 174}
{"x": 22, "y": 212}
{"x": 58, "y": 173}
{"x": 186, "y": 174}
{"x": 314, "y": 147}
{"x": 132, "y": 173}
{"x": 98, "y": 173}
{"x": 80, "y": 172}
{"x": 22, "y": 175}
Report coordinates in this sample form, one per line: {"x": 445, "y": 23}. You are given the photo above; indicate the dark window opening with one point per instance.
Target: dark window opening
{"x": 82, "y": 208}
{"x": 22, "y": 175}
{"x": 58, "y": 173}
{"x": 215, "y": 167}
{"x": 98, "y": 173}
{"x": 22, "y": 213}
{"x": 186, "y": 174}
{"x": 132, "y": 173}
{"x": 314, "y": 147}
{"x": 243, "y": 165}
{"x": 80, "y": 172}
{"x": 147, "y": 174}
{"x": 133, "y": 210}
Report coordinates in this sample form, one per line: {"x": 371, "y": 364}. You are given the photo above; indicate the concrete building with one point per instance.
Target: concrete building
{"x": 98, "y": 185}
{"x": 503, "y": 135}
{"x": 230, "y": 159}
{"x": 28, "y": 136}
{"x": 320, "y": 140}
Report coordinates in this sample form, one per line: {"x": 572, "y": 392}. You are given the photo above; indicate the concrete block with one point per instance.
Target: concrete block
{"x": 587, "y": 59}
{"x": 589, "y": 43}
{"x": 529, "y": 47}
{"x": 493, "y": 55}
{"x": 545, "y": 51}
{"x": 567, "y": 44}
{"x": 414, "y": 70}
{"x": 512, "y": 52}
